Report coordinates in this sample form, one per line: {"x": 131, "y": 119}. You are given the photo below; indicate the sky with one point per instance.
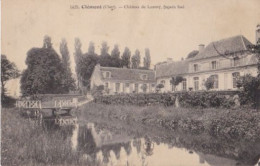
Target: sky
{"x": 169, "y": 33}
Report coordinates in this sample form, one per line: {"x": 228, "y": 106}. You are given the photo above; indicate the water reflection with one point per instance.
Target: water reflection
{"x": 122, "y": 147}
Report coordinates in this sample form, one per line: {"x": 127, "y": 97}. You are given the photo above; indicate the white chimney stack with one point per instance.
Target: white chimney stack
{"x": 201, "y": 47}
{"x": 257, "y": 33}
{"x": 169, "y": 60}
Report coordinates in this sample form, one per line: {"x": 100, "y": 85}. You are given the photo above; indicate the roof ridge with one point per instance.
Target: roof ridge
{"x": 119, "y": 68}
{"x": 243, "y": 42}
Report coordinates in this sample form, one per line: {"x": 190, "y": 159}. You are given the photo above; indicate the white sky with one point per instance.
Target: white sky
{"x": 168, "y": 33}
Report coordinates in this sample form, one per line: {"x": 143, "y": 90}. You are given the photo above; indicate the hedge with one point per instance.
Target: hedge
{"x": 201, "y": 99}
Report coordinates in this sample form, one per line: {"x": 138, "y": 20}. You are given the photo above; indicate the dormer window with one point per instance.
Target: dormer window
{"x": 107, "y": 74}
{"x": 196, "y": 67}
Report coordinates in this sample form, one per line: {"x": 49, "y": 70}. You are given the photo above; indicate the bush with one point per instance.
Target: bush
{"x": 249, "y": 86}
{"x": 203, "y": 99}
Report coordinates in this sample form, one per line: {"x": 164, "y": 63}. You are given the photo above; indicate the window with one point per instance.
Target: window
{"x": 236, "y": 61}
{"x": 127, "y": 85}
{"x": 136, "y": 88}
{"x": 213, "y": 65}
{"x": 107, "y": 74}
{"x": 235, "y": 77}
{"x": 184, "y": 84}
{"x": 144, "y": 77}
{"x": 196, "y": 67}
{"x": 215, "y": 79}
{"x": 106, "y": 85}
{"x": 196, "y": 83}
{"x": 144, "y": 87}
{"x": 117, "y": 87}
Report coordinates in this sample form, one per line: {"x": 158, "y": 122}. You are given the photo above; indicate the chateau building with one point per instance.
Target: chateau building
{"x": 223, "y": 60}
{"x": 123, "y": 80}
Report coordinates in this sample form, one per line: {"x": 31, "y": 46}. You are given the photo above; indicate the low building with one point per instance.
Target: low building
{"x": 123, "y": 80}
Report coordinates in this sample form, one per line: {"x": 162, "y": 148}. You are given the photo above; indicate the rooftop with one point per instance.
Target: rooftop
{"x": 224, "y": 47}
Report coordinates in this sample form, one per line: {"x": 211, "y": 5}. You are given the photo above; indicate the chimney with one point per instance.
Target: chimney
{"x": 169, "y": 60}
{"x": 201, "y": 47}
{"x": 257, "y": 34}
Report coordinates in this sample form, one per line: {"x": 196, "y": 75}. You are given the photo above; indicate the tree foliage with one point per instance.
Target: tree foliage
{"x": 8, "y": 71}
{"x": 115, "y": 57}
{"x": 87, "y": 64}
{"x": 175, "y": 82}
{"x": 209, "y": 83}
{"x": 136, "y": 59}
{"x": 126, "y": 58}
{"x": 78, "y": 59}
{"x": 147, "y": 59}
{"x": 69, "y": 81}
{"x": 44, "y": 73}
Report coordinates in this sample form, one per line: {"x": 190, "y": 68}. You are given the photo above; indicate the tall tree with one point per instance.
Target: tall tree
{"x": 88, "y": 63}
{"x": 104, "y": 58}
{"x": 8, "y": 71}
{"x": 78, "y": 59}
{"x": 126, "y": 58}
{"x": 115, "y": 56}
{"x": 136, "y": 59}
{"x": 147, "y": 59}
{"x": 69, "y": 82}
{"x": 44, "y": 73}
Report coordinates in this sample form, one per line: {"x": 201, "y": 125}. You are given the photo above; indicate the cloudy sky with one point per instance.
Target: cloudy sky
{"x": 168, "y": 33}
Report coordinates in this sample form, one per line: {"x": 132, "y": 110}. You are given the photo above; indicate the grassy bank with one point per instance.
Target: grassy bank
{"x": 223, "y": 123}
{"x": 26, "y": 143}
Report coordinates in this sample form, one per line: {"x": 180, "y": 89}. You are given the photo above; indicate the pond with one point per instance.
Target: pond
{"x": 113, "y": 142}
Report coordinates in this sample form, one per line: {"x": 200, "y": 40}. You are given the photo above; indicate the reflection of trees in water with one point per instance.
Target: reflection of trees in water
{"x": 86, "y": 142}
{"x": 137, "y": 144}
{"x": 127, "y": 147}
{"x": 148, "y": 146}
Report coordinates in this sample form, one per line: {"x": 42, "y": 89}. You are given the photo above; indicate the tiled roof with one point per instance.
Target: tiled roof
{"x": 172, "y": 69}
{"x": 224, "y": 46}
{"x": 126, "y": 74}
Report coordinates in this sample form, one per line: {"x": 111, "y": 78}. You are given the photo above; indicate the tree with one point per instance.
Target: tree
{"x": 175, "y": 82}
{"x": 249, "y": 86}
{"x": 126, "y": 58}
{"x": 136, "y": 60}
{"x": 209, "y": 83}
{"x": 69, "y": 82}
{"x": 44, "y": 73}
{"x": 8, "y": 71}
{"x": 115, "y": 55}
{"x": 104, "y": 58}
{"x": 78, "y": 58}
{"x": 147, "y": 59}
{"x": 87, "y": 64}
{"x": 159, "y": 87}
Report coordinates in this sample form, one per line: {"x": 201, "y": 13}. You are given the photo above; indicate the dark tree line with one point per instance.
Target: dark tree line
{"x": 86, "y": 62}
{"x": 47, "y": 72}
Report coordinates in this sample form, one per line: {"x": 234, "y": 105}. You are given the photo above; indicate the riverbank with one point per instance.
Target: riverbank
{"x": 223, "y": 123}
{"x": 24, "y": 142}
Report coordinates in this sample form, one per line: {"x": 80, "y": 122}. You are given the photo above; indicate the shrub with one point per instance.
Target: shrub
{"x": 249, "y": 86}
{"x": 203, "y": 99}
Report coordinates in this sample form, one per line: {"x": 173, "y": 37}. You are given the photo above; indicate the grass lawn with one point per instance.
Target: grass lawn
{"x": 229, "y": 123}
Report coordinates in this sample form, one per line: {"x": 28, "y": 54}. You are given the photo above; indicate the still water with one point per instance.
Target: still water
{"x": 116, "y": 143}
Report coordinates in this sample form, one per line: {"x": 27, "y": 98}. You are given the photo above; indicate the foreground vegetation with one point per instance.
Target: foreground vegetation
{"x": 223, "y": 123}
{"x": 25, "y": 142}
